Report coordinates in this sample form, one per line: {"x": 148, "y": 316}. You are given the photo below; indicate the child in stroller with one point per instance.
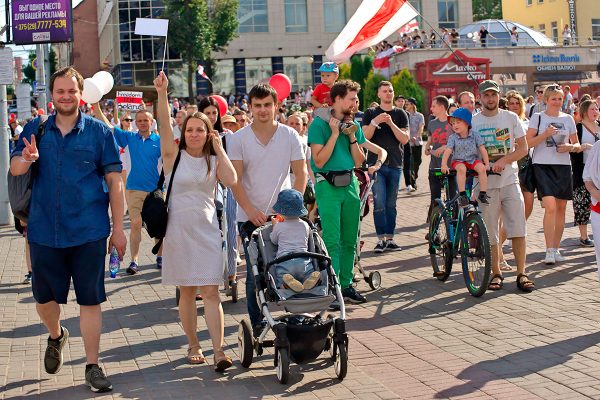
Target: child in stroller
{"x": 290, "y": 234}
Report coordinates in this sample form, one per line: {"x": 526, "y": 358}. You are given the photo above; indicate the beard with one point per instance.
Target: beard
{"x": 493, "y": 107}
{"x": 66, "y": 110}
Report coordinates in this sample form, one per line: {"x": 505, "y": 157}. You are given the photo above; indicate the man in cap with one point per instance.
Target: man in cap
{"x": 505, "y": 142}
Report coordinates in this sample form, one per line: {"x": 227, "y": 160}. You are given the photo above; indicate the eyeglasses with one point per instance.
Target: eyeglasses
{"x": 127, "y": 119}
{"x": 540, "y": 92}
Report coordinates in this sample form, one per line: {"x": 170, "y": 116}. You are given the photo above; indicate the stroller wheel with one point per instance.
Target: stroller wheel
{"x": 282, "y": 362}
{"x": 177, "y": 296}
{"x": 340, "y": 362}
{"x": 245, "y": 345}
{"x": 374, "y": 280}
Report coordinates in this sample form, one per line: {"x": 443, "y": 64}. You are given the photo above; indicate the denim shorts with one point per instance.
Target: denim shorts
{"x": 53, "y": 268}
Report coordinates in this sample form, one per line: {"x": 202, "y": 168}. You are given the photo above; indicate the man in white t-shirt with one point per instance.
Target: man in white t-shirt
{"x": 262, "y": 154}
{"x": 179, "y": 119}
{"x": 505, "y": 142}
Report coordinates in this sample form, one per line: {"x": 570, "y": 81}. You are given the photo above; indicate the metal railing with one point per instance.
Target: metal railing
{"x": 463, "y": 43}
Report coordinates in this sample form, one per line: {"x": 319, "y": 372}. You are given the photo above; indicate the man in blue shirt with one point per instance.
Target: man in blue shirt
{"x": 68, "y": 224}
{"x": 144, "y": 150}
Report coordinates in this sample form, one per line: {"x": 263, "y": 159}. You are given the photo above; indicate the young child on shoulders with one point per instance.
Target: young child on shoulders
{"x": 291, "y": 236}
{"x": 468, "y": 153}
{"x": 329, "y": 75}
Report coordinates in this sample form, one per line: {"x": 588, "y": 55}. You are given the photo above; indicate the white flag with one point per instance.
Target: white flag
{"x": 151, "y": 26}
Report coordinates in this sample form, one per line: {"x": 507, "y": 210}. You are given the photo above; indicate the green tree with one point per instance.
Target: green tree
{"x": 29, "y": 71}
{"x": 345, "y": 71}
{"x": 199, "y": 27}
{"x": 406, "y": 85}
{"x": 370, "y": 89}
{"x": 360, "y": 66}
{"x": 487, "y": 9}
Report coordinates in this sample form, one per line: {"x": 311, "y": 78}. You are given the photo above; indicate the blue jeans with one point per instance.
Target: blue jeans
{"x": 254, "y": 311}
{"x": 385, "y": 192}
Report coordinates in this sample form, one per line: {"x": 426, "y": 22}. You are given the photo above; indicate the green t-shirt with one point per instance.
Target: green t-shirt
{"x": 341, "y": 157}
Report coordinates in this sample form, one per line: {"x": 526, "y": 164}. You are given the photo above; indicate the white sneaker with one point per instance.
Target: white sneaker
{"x": 409, "y": 188}
{"x": 558, "y": 257}
{"x": 550, "y": 257}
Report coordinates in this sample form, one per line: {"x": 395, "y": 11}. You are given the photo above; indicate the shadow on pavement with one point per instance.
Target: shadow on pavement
{"x": 519, "y": 364}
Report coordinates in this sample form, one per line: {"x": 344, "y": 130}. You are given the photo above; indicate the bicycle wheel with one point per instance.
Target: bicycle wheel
{"x": 440, "y": 246}
{"x": 475, "y": 254}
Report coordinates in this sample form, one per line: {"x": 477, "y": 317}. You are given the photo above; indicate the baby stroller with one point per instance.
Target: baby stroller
{"x": 305, "y": 329}
{"x": 230, "y": 287}
{"x": 365, "y": 185}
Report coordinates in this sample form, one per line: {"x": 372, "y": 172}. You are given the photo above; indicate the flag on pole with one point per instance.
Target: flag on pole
{"x": 153, "y": 27}
{"x": 373, "y": 21}
{"x": 201, "y": 72}
{"x": 408, "y": 28}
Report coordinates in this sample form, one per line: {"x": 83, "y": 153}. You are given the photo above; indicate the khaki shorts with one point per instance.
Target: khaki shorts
{"x": 508, "y": 203}
{"x": 135, "y": 201}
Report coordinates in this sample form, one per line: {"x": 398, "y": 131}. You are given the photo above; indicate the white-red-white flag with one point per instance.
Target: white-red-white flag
{"x": 201, "y": 72}
{"x": 373, "y": 21}
{"x": 408, "y": 28}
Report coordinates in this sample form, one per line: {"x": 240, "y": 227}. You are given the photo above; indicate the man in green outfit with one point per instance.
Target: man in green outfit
{"x": 335, "y": 153}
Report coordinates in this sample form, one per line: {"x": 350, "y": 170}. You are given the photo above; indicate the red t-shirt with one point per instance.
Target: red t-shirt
{"x": 321, "y": 93}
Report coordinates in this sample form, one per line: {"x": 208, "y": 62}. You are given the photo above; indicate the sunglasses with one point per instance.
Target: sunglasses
{"x": 540, "y": 92}
{"x": 127, "y": 119}
{"x": 553, "y": 87}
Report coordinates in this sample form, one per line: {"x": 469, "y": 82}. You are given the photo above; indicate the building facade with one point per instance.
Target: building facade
{"x": 551, "y": 16}
{"x": 287, "y": 36}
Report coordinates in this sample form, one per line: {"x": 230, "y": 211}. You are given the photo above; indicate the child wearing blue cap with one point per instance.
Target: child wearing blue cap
{"x": 329, "y": 75}
{"x": 291, "y": 236}
{"x": 467, "y": 150}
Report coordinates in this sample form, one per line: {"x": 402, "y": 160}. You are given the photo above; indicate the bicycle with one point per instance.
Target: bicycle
{"x": 459, "y": 231}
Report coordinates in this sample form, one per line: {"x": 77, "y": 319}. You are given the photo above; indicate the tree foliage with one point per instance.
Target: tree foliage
{"x": 487, "y": 9}
{"x": 29, "y": 71}
{"x": 199, "y": 27}
{"x": 406, "y": 85}
{"x": 370, "y": 89}
{"x": 360, "y": 66}
{"x": 345, "y": 71}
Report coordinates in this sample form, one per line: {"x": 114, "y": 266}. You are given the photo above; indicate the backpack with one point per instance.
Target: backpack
{"x": 155, "y": 210}
{"x": 20, "y": 187}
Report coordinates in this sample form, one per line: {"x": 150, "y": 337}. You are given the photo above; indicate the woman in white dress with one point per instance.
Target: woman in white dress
{"x": 192, "y": 255}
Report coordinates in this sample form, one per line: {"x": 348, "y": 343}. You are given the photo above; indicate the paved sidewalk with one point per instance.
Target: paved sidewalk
{"x": 415, "y": 338}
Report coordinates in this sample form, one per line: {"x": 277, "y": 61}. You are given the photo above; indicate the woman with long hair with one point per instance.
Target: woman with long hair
{"x": 192, "y": 256}
{"x": 552, "y": 143}
{"x": 210, "y": 108}
{"x": 588, "y": 133}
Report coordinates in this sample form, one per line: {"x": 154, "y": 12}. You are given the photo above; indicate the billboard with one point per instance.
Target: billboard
{"x": 41, "y": 21}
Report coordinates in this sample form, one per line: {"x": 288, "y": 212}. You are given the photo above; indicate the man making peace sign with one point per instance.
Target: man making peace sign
{"x": 68, "y": 218}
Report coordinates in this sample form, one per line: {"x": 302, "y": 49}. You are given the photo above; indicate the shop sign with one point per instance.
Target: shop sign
{"x": 467, "y": 70}
{"x": 550, "y": 68}
{"x": 561, "y": 58}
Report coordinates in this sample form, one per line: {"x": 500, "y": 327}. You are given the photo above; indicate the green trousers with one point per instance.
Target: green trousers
{"x": 339, "y": 209}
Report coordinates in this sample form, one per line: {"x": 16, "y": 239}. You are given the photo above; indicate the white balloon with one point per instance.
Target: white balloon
{"x": 469, "y": 35}
{"x": 92, "y": 93}
{"x": 104, "y": 80}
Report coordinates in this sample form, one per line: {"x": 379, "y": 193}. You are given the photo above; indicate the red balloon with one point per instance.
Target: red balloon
{"x": 222, "y": 104}
{"x": 41, "y": 111}
{"x": 282, "y": 85}
{"x": 13, "y": 116}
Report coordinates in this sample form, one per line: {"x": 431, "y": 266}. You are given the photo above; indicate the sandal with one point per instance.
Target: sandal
{"x": 222, "y": 362}
{"x": 505, "y": 267}
{"x": 195, "y": 358}
{"x": 496, "y": 285}
{"x": 524, "y": 283}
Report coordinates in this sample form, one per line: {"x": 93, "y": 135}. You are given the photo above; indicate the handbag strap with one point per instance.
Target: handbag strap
{"x": 171, "y": 178}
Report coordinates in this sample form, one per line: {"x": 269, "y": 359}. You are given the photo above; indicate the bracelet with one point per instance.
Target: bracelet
{"x": 353, "y": 142}
{"x": 26, "y": 161}
{"x": 374, "y": 124}
{"x": 379, "y": 162}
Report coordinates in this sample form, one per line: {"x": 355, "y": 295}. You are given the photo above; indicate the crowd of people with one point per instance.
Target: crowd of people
{"x": 269, "y": 158}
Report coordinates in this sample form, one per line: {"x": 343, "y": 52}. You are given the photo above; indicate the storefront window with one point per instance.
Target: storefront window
{"x": 596, "y": 29}
{"x": 299, "y": 71}
{"x": 448, "y": 13}
{"x": 223, "y": 77}
{"x": 334, "y": 15}
{"x": 253, "y": 16}
{"x": 257, "y": 70}
{"x": 295, "y": 16}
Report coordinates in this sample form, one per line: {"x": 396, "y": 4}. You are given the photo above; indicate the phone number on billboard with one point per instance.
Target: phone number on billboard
{"x": 58, "y": 24}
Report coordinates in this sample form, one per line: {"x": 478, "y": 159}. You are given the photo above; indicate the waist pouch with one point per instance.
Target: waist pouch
{"x": 338, "y": 178}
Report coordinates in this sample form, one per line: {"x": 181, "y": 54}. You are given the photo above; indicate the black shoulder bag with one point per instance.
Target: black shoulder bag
{"x": 20, "y": 187}
{"x": 155, "y": 210}
{"x": 526, "y": 176}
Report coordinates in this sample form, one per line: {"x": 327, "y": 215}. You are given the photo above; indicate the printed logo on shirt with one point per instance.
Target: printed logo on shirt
{"x": 560, "y": 137}
{"x": 497, "y": 142}
{"x": 440, "y": 136}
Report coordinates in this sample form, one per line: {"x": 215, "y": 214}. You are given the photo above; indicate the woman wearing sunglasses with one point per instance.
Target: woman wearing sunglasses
{"x": 552, "y": 135}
